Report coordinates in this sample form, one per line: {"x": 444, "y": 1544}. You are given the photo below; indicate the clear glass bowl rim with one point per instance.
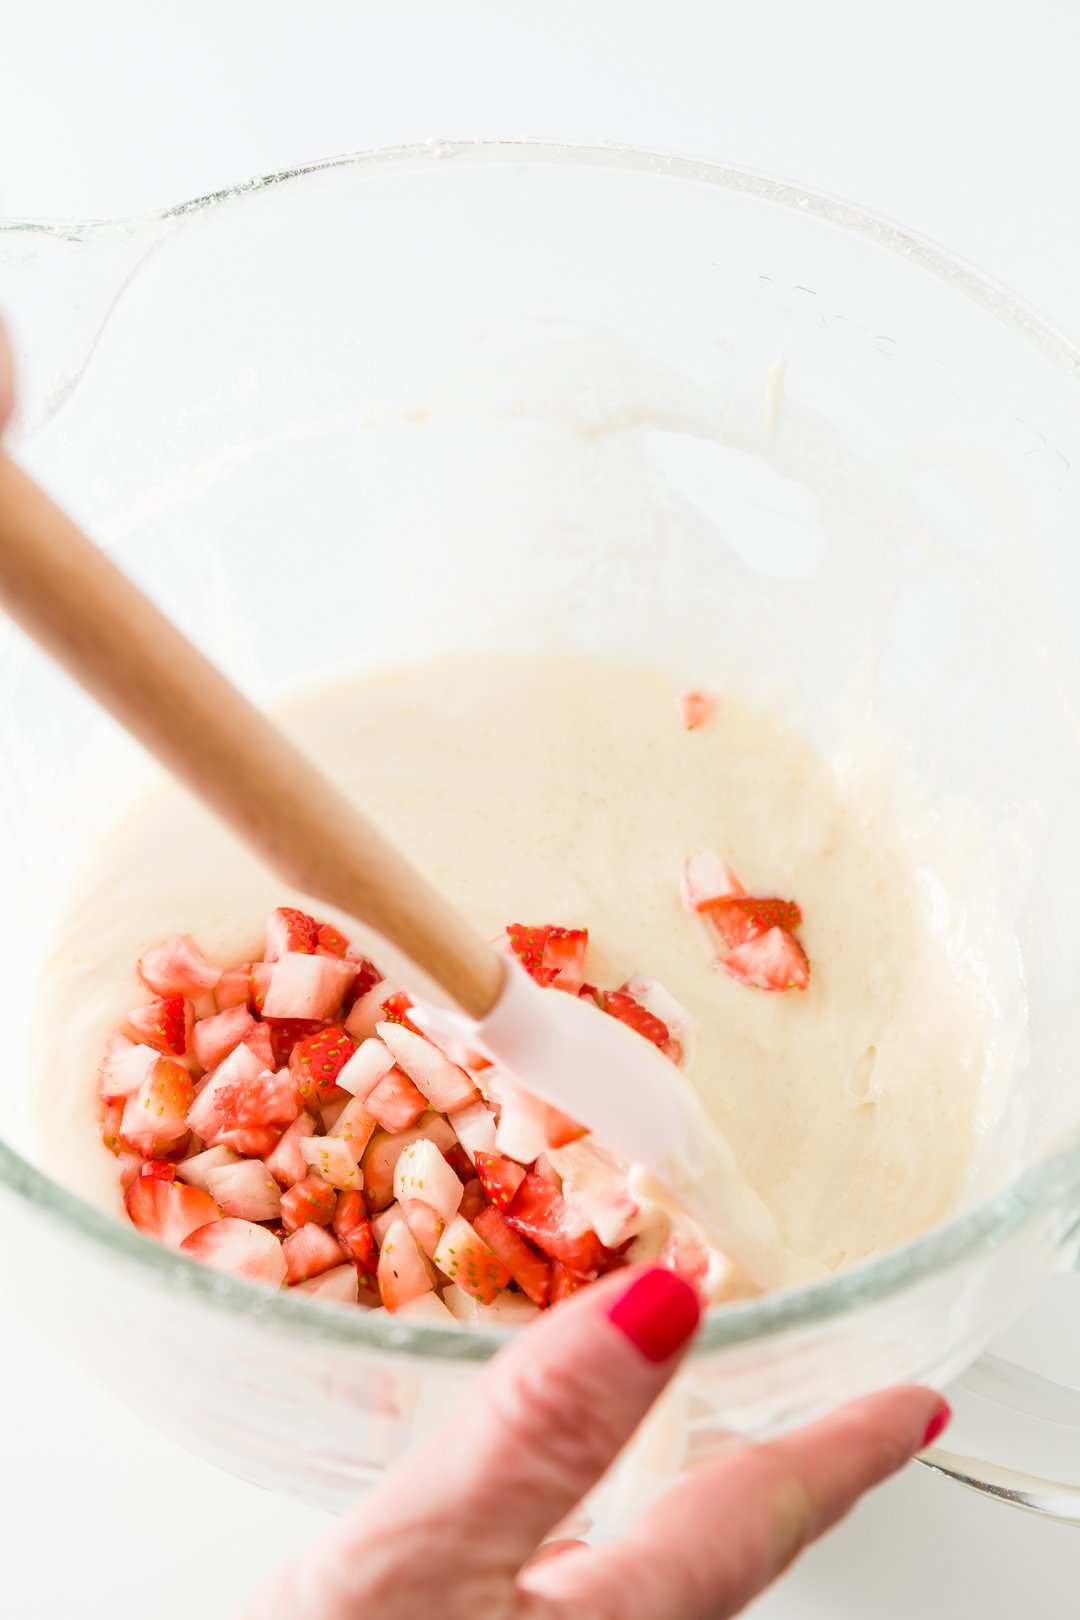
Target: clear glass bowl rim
{"x": 1054, "y": 1180}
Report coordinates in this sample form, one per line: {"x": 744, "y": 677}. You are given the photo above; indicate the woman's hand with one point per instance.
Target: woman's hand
{"x": 455, "y": 1531}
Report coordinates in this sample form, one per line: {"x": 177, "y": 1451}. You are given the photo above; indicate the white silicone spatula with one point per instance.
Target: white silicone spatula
{"x": 71, "y": 599}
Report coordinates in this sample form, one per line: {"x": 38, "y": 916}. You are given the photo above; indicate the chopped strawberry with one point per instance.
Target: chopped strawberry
{"x": 404, "y": 1270}
{"x": 269, "y": 1099}
{"x": 475, "y": 1127}
{"x": 331, "y": 943}
{"x": 337, "y": 1287}
{"x": 355, "y": 1126}
{"x": 527, "y": 1125}
{"x": 444, "y": 1085}
{"x": 500, "y": 1178}
{"x": 371, "y": 1061}
{"x": 164, "y": 1024}
{"x": 178, "y": 968}
{"x": 622, "y": 1006}
{"x": 472, "y": 1199}
{"x": 110, "y": 1126}
{"x": 290, "y": 930}
{"x": 772, "y": 961}
{"x": 385, "y": 1148}
{"x": 696, "y": 708}
{"x": 367, "y": 1010}
{"x": 395, "y": 1010}
{"x": 395, "y": 1102}
{"x": 285, "y": 1034}
{"x": 259, "y": 984}
{"x": 460, "y": 1163}
{"x": 611, "y": 1212}
{"x": 309, "y": 1200}
{"x": 367, "y": 977}
{"x": 422, "y": 1172}
{"x": 245, "y": 1190}
{"x": 155, "y": 1118}
{"x": 525, "y": 1266}
{"x": 164, "y": 1210}
{"x": 564, "y": 957}
{"x": 306, "y": 986}
{"x": 260, "y": 1042}
{"x": 334, "y": 1160}
{"x": 196, "y": 1168}
{"x": 681, "y": 1024}
{"x": 706, "y": 879}
{"x": 539, "y": 1213}
{"x": 425, "y": 1224}
{"x": 205, "y": 1117}
{"x": 466, "y": 1259}
{"x": 309, "y": 1251}
{"x": 317, "y": 1060}
{"x": 544, "y": 1167}
{"x": 129, "y": 1166}
{"x": 549, "y": 954}
{"x": 740, "y": 918}
{"x": 384, "y": 1220}
{"x": 286, "y": 1162}
{"x": 234, "y": 988}
{"x": 352, "y": 1228}
{"x": 687, "y": 1257}
{"x": 253, "y": 1141}
{"x": 212, "y": 1039}
{"x": 565, "y": 1282}
{"x": 238, "y": 1246}
{"x": 126, "y": 1069}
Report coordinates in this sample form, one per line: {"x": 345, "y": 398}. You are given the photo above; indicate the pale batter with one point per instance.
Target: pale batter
{"x": 567, "y": 791}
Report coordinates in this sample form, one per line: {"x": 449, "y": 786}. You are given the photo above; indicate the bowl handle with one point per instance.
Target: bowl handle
{"x": 1019, "y": 1401}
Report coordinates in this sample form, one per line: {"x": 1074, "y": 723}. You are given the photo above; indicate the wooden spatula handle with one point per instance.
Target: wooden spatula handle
{"x": 89, "y": 616}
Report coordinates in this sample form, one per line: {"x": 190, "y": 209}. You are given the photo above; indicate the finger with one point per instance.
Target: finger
{"x": 553, "y": 1549}
{"x": 551, "y": 1413}
{"x": 717, "y": 1540}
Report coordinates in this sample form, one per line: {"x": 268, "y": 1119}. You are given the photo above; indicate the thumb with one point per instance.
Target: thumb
{"x": 548, "y": 1418}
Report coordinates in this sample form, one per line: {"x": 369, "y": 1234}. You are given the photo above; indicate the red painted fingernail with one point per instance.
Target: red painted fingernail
{"x": 658, "y": 1313}
{"x": 938, "y": 1424}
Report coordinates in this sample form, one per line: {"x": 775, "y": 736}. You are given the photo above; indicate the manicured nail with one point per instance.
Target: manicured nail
{"x": 937, "y": 1425}
{"x": 658, "y": 1313}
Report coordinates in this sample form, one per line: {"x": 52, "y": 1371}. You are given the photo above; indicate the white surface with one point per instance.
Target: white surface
{"x": 962, "y": 126}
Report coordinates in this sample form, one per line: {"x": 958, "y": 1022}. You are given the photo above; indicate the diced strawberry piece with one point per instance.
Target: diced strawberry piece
{"x": 178, "y": 968}
{"x": 539, "y": 1213}
{"x": 696, "y": 708}
{"x": 234, "y": 988}
{"x": 197, "y": 1167}
{"x": 246, "y": 1190}
{"x": 395, "y": 1010}
{"x": 473, "y": 1199}
{"x": 386, "y": 1147}
{"x": 309, "y": 1251}
{"x": 544, "y": 1167}
{"x": 773, "y": 961}
{"x": 253, "y": 1141}
{"x": 460, "y": 1163}
{"x": 164, "y": 1210}
{"x": 290, "y": 930}
{"x": 111, "y": 1121}
{"x": 329, "y": 942}
{"x": 384, "y": 1220}
{"x": 499, "y": 1177}
{"x": 741, "y": 918}
{"x": 352, "y": 1227}
{"x": 404, "y": 1270}
{"x": 395, "y": 1102}
{"x": 367, "y": 977}
{"x": 319, "y": 1059}
{"x": 525, "y": 1266}
{"x": 307, "y": 986}
{"x": 428, "y": 1308}
{"x": 309, "y": 1200}
{"x": 527, "y": 1126}
{"x": 205, "y": 1117}
{"x": 239, "y": 1247}
{"x": 269, "y": 1099}
{"x": 445, "y": 1086}
{"x": 286, "y": 1162}
{"x": 155, "y": 1118}
{"x": 559, "y": 1128}
{"x": 706, "y": 879}
{"x": 688, "y": 1258}
{"x": 337, "y": 1287}
{"x": 422, "y": 1172}
{"x": 564, "y": 957}
{"x": 622, "y": 1006}
{"x": 475, "y": 1127}
{"x": 527, "y": 945}
{"x": 164, "y": 1024}
{"x": 610, "y": 1212}
{"x": 214, "y": 1038}
{"x": 681, "y": 1024}
{"x": 425, "y": 1224}
{"x": 129, "y": 1166}
{"x": 334, "y": 1161}
{"x": 259, "y": 984}
{"x": 261, "y": 1043}
{"x": 285, "y": 1034}
{"x": 367, "y": 1010}
{"x": 370, "y": 1063}
{"x": 564, "y": 1282}
{"x": 126, "y": 1070}
{"x": 466, "y": 1259}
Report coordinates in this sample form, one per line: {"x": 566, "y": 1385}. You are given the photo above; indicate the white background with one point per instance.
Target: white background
{"x": 959, "y": 117}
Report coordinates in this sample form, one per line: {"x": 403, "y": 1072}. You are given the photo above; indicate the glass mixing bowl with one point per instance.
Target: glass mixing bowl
{"x": 510, "y": 394}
